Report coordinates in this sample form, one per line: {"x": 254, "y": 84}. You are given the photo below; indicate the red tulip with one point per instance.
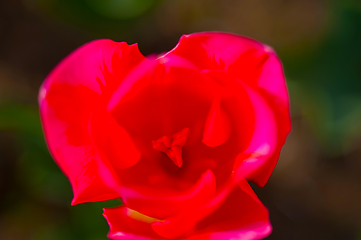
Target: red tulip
{"x": 176, "y": 137}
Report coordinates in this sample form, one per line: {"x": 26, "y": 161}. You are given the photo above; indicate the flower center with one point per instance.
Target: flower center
{"x": 172, "y": 145}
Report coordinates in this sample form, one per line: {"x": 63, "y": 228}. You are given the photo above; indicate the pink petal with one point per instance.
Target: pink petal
{"x": 241, "y": 217}
{"x": 162, "y": 204}
{"x": 112, "y": 141}
{"x": 124, "y": 227}
{"x": 273, "y": 81}
{"x": 251, "y": 62}
{"x": 183, "y": 222}
{"x": 264, "y": 138}
{"x": 244, "y": 58}
{"x": 71, "y": 92}
{"x": 134, "y": 76}
{"x": 218, "y": 127}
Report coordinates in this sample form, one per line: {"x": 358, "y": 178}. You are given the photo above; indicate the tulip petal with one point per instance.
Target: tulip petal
{"x": 124, "y": 227}
{"x": 272, "y": 79}
{"x": 251, "y": 62}
{"x": 242, "y": 216}
{"x": 177, "y": 225}
{"x": 158, "y": 206}
{"x": 264, "y": 138}
{"x": 71, "y": 92}
{"x": 185, "y": 222}
{"x": 218, "y": 127}
{"x": 112, "y": 141}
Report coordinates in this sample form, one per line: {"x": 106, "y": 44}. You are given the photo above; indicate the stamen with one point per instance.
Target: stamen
{"x": 172, "y": 145}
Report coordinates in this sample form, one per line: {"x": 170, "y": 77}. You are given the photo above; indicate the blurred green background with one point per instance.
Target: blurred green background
{"x": 315, "y": 190}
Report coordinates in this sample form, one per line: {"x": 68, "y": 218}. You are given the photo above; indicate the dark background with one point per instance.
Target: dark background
{"x": 315, "y": 190}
